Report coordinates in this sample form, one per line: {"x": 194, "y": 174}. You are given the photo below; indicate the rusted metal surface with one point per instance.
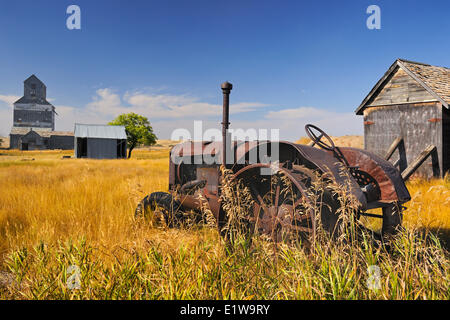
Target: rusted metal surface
{"x": 388, "y": 178}
{"x": 372, "y": 180}
{"x": 194, "y": 179}
{"x": 196, "y": 148}
{"x": 199, "y": 201}
{"x": 312, "y": 157}
{"x": 211, "y": 176}
{"x": 278, "y": 216}
{"x": 328, "y": 163}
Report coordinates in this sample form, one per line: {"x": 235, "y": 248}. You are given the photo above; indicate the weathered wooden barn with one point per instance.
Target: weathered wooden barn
{"x": 408, "y": 110}
{"x": 36, "y": 139}
{"x": 34, "y": 120}
{"x": 100, "y": 141}
{"x": 33, "y": 109}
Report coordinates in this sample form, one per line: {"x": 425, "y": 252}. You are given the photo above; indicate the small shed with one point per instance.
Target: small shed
{"x": 408, "y": 110}
{"x": 32, "y": 141}
{"x": 40, "y": 139}
{"x": 100, "y": 141}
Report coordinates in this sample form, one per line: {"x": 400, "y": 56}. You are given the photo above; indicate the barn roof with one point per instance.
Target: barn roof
{"x": 436, "y": 80}
{"x": 42, "y": 132}
{"x": 36, "y": 100}
{"x": 25, "y": 100}
{"x": 31, "y": 133}
{"x": 25, "y": 130}
{"x": 33, "y": 77}
{"x": 99, "y": 131}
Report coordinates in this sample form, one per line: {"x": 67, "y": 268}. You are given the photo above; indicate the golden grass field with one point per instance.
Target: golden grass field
{"x": 342, "y": 141}
{"x": 56, "y": 212}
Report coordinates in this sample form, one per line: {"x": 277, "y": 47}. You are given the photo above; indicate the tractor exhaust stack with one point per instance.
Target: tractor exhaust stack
{"x": 226, "y": 89}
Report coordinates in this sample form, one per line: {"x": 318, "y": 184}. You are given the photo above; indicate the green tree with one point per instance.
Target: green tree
{"x": 138, "y": 129}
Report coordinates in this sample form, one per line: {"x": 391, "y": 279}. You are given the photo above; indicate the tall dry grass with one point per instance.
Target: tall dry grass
{"x": 430, "y": 203}
{"x": 56, "y": 213}
{"x": 50, "y": 199}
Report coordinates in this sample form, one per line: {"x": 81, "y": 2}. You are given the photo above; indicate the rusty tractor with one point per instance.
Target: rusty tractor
{"x": 195, "y": 182}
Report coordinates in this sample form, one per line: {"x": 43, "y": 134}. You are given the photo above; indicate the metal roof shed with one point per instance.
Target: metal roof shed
{"x": 100, "y": 141}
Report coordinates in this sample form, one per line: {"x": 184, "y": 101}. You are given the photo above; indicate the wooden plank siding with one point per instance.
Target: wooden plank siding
{"x": 400, "y": 88}
{"x": 410, "y": 121}
{"x": 446, "y": 139}
{"x": 411, "y": 101}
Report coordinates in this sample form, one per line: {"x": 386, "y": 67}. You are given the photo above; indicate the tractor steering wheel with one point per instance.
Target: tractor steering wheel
{"x": 317, "y": 137}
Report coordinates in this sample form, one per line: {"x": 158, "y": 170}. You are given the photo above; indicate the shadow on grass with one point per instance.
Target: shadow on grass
{"x": 443, "y": 234}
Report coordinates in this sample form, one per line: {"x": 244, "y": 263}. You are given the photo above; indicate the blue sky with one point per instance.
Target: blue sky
{"x": 291, "y": 62}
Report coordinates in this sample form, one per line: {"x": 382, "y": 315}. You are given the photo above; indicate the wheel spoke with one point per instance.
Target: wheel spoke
{"x": 301, "y": 229}
{"x": 257, "y": 197}
{"x": 298, "y": 202}
{"x": 302, "y": 217}
{"x": 298, "y": 218}
{"x": 256, "y": 210}
{"x": 277, "y": 207}
{"x": 277, "y": 197}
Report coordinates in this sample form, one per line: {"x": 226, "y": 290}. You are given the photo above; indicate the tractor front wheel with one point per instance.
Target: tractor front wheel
{"x": 162, "y": 206}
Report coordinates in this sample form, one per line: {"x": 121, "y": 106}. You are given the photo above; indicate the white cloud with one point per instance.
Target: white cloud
{"x": 298, "y": 113}
{"x": 335, "y": 124}
{"x": 105, "y": 102}
{"x": 6, "y": 107}
{"x": 68, "y": 116}
{"x": 157, "y": 106}
{"x": 5, "y": 121}
{"x": 169, "y": 112}
{"x": 292, "y": 121}
{"x": 9, "y": 100}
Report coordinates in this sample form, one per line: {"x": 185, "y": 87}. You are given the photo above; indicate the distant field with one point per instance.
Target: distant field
{"x": 58, "y": 212}
{"x": 342, "y": 141}
{"x": 5, "y": 142}
{"x": 160, "y": 145}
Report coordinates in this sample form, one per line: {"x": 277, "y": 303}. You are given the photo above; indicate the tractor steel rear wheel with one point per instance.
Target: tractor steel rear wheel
{"x": 161, "y": 205}
{"x": 283, "y": 203}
